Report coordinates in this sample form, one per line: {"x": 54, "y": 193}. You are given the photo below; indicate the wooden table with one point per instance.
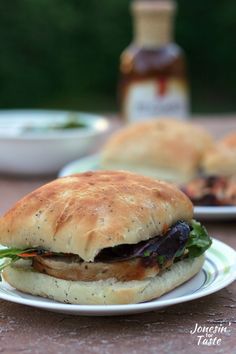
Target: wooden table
{"x": 28, "y": 330}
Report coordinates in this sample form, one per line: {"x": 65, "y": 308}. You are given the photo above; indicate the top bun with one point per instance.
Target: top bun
{"x": 229, "y": 140}
{"x": 87, "y": 212}
{"x": 220, "y": 160}
{"x": 167, "y": 149}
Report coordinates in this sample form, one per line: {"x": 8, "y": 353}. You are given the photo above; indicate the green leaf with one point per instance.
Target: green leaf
{"x": 10, "y": 255}
{"x": 146, "y": 253}
{"x": 10, "y": 252}
{"x": 179, "y": 253}
{"x": 161, "y": 259}
{"x": 199, "y": 240}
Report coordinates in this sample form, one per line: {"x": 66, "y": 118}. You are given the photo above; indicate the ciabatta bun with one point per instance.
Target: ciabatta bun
{"x": 165, "y": 149}
{"x": 84, "y": 213}
{"x": 220, "y": 160}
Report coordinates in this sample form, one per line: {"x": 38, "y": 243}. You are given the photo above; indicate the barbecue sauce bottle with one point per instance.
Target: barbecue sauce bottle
{"x": 153, "y": 78}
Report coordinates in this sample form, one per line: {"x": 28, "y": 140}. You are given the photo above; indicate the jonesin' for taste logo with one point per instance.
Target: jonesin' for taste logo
{"x": 209, "y": 336}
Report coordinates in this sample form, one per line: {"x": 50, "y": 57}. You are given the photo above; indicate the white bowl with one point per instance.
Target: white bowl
{"x": 45, "y": 151}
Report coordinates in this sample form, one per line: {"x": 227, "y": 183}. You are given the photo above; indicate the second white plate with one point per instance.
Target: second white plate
{"x": 215, "y": 213}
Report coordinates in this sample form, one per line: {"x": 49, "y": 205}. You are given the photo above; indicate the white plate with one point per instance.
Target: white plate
{"x": 219, "y": 270}
{"x": 200, "y": 212}
{"x": 215, "y": 213}
{"x": 88, "y": 163}
{"x": 43, "y": 150}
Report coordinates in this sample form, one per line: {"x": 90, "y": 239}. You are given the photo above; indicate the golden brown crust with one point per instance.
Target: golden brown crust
{"x": 165, "y": 148}
{"x": 87, "y": 212}
{"x": 220, "y": 160}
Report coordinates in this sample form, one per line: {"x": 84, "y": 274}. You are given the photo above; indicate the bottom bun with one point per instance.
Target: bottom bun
{"x": 102, "y": 292}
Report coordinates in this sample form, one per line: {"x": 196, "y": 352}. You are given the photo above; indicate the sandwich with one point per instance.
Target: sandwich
{"x": 220, "y": 160}
{"x": 217, "y": 184}
{"x": 165, "y": 149}
{"x": 104, "y": 237}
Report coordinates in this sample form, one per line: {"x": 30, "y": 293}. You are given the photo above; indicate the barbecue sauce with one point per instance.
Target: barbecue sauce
{"x": 153, "y": 78}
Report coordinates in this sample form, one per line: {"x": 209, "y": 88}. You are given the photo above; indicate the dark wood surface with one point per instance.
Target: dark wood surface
{"x": 29, "y": 330}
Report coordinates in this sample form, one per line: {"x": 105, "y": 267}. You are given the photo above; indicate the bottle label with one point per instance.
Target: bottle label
{"x": 152, "y": 98}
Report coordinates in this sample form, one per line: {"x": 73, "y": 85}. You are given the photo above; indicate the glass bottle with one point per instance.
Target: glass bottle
{"x": 153, "y": 80}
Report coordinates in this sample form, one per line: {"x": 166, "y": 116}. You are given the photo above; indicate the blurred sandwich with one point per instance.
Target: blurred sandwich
{"x": 165, "y": 149}
{"x": 102, "y": 238}
{"x": 217, "y": 185}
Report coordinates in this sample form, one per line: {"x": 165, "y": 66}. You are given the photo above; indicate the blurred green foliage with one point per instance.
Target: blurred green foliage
{"x": 65, "y": 53}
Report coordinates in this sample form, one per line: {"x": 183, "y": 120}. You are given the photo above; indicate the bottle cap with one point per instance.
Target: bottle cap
{"x": 153, "y": 5}
{"x": 153, "y": 22}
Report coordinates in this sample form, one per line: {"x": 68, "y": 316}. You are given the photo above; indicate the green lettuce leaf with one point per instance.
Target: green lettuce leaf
{"x": 11, "y": 252}
{"x": 10, "y": 255}
{"x": 199, "y": 240}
